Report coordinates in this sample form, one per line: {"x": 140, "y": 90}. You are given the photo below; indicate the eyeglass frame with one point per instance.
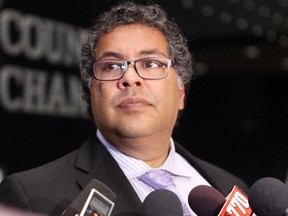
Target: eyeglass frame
{"x": 133, "y": 63}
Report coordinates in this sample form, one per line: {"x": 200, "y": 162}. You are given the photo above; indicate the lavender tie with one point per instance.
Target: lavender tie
{"x": 162, "y": 179}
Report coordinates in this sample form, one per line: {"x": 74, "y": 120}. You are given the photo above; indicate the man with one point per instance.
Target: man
{"x": 135, "y": 70}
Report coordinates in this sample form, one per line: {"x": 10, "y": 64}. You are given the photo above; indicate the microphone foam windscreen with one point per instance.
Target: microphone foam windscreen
{"x": 204, "y": 200}
{"x": 162, "y": 203}
{"x": 268, "y": 197}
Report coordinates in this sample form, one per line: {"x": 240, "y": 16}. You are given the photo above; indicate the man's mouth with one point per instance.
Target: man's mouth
{"x": 133, "y": 103}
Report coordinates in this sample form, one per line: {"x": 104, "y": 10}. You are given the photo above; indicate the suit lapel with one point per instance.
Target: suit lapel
{"x": 94, "y": 159}
{"x": 219, "y": 178}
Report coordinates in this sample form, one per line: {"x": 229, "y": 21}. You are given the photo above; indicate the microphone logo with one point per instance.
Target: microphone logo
{"x": 237, "y": 204}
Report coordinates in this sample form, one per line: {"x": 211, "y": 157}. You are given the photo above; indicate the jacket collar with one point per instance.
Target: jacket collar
{"x": 96, "y": 161}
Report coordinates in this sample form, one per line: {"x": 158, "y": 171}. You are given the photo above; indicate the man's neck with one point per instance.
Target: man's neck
{"x": 152, "y": 150}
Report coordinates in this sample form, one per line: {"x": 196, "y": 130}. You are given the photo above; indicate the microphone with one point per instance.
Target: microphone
{"x": 268, "y": 197}
{"x": 207, "y": 201}
{"x": 236, "y": 204}
{"x": 81, "y": 199}
{"x": 162, "y": 203}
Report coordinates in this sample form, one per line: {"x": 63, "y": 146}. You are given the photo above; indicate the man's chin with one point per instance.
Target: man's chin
{"x": 134, "y": 132}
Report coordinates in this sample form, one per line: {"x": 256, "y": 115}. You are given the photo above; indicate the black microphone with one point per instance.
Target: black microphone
{"x": 205, "y": 200}
{"x": 78, "y": 203}
{"x": 162, "y": 203}
{"x": 269, "y": 197}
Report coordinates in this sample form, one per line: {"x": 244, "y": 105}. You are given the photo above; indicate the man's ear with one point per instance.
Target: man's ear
{"x": 181, "y": 98}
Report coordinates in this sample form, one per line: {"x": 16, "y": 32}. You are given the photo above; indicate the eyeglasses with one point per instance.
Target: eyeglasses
{"x": 146, "y": 68}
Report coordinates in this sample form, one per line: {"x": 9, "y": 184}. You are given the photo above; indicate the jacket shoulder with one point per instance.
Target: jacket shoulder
{"x": 218, "y": 177}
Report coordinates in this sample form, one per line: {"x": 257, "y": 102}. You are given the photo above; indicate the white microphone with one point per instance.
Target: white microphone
{"x": 96, "y": 197}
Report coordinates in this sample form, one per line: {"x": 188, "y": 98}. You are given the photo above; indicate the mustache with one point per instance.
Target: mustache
{"x": 125, "y": 98}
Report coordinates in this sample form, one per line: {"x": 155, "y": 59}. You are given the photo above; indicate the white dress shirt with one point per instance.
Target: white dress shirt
{"x": 185, "y": 176}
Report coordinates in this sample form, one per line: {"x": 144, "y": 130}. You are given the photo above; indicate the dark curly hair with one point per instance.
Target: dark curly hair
{"x": 130, "y": 13}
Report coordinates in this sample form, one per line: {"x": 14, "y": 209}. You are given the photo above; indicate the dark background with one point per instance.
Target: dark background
{"x": 236, "y": 113}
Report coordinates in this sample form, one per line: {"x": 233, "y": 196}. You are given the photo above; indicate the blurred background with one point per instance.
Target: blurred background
{"x": 236, "y": 114}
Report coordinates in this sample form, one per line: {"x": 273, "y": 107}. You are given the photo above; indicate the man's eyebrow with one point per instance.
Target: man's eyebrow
{"x": 110, "y": 54}
{"x": 152, "y": 51}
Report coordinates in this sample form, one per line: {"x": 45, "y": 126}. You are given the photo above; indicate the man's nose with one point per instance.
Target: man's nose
{"x": 130, "y": 77}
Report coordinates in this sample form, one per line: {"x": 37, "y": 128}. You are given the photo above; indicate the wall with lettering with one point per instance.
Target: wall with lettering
{"x": 42, "y": 113}
{"x": 35, "y": 89}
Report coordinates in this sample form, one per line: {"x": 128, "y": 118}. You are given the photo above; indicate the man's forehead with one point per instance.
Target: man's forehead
{"x": 137, "y": 39}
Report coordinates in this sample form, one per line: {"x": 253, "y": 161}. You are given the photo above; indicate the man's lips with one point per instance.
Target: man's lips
{"x": 133, "y": 102}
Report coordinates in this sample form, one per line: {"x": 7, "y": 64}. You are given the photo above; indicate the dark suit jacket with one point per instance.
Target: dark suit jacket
{"x": 50, "y": 188}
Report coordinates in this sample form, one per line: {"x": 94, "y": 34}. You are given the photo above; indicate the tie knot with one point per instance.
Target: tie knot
{"x": 158, "y": 179}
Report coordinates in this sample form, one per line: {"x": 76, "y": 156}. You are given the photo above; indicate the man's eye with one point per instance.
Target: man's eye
{"x": 111, "y": 66}
{"x": 151, "y": 64}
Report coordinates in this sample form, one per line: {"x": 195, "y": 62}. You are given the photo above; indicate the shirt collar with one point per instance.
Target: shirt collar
{"x": 173, "y": 164}
{"x": 133, "y": 167}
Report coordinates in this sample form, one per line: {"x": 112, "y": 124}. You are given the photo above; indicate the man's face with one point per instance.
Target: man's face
{"x": 133, "y": 107}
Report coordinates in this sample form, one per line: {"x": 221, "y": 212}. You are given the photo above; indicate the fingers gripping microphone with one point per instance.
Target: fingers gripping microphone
{"x": 77, "y": 204}
{"x": 162, "y": 203}
{"x": 269, "y": 197}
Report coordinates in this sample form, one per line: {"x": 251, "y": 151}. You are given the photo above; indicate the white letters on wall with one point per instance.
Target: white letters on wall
{"x": 38, "y": 90}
